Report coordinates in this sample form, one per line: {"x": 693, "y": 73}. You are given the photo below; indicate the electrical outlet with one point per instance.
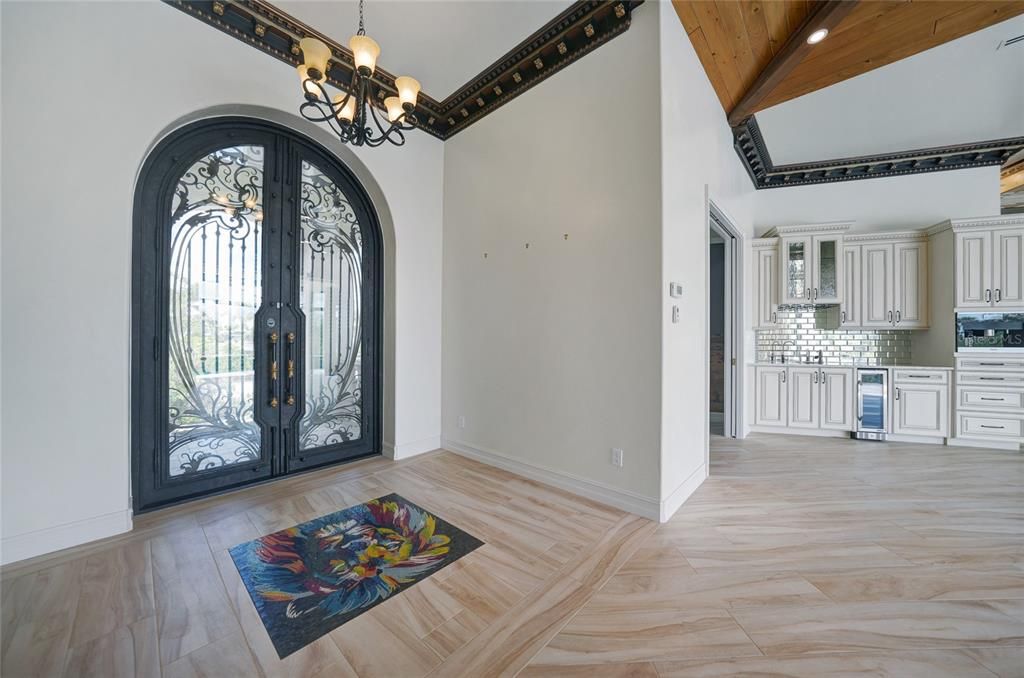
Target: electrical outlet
{"x": 462, "y": 421}
{"x": 617, "y": 457}
{"x": 675, "y": 314}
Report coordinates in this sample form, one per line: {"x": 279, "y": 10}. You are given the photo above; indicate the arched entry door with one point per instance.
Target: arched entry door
{"x": 256, "y": 312}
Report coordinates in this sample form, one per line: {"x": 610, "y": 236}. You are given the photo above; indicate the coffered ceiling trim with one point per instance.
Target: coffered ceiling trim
{"x": 750, "y": 147}
{"x": 575, "y": 32}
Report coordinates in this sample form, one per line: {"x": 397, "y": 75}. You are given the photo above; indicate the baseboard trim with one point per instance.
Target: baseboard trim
{"x": 985, "y": 444}
{"x": 406, "y": 450}
{"x": 675, "y": 499}
{"x": 50, "y": 539}
{"x": 632, "y": 502}
{"x": 813, "y": 432}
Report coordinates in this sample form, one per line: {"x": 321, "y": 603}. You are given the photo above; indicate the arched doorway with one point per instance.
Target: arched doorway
{"x": 257, "y": 283}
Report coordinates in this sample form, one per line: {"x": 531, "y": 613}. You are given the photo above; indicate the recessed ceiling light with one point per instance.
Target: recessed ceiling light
{"x": 817, "y": 36}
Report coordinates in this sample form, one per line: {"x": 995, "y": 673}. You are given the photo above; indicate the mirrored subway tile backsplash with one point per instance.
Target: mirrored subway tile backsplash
{"x": 801, "y": 326}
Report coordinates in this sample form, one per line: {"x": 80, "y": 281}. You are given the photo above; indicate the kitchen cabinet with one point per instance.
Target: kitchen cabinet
{"x": 811, "y": 269}
{"x": 920, "y": 409}
{"x": 766, "y": 277}
{"x": 795, "y": 270}
{"x": 989, "y": 268}
{"x": 836, "y": 386}
{"x": 849, "y": 310}
{"x": 803, "y": 397}
{"x": 990, "y": 398}
{"x": 771, "y": 396}
{"x": 894, "y": 285}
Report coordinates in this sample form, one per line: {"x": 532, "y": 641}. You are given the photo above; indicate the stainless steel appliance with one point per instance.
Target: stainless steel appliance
{"x": 989, "y": 331}
{"x": 872, "y": 404}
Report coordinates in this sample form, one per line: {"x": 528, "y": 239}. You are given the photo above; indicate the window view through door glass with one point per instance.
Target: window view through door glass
{"x": 215, "y": 291}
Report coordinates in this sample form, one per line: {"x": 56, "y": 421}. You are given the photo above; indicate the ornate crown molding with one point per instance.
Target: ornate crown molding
{"x": 803, "y": 229}
{"x": 886, "y": 236}
{"x": 750, "y": 146}
{"x": 972, "y": 223}
{"x": 575, "y": 32}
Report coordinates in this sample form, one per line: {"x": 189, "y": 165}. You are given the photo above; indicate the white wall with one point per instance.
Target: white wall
{"x": 882, "y": 204}
{"x": 126, "y": 71}
{"x": 552, "y": 353}
{"x": 697, "y": 159}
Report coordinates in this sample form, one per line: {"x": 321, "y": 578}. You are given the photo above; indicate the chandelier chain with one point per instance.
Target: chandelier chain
{"x": 362, "y": 29}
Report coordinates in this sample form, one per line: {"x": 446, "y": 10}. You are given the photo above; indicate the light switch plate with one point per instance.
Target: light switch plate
{"x": 675, "y": 289}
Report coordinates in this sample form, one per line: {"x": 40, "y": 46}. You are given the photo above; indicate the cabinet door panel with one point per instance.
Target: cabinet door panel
{"x": 1008, "y": 268}
{"x": 796, "y": 255}
{"x": 910, "y": 285}
{"x": 921, "y": 410}
{"x": 877, "y": 283}
{"x": 974, "y": 269}
{"x": 849, "y": 311}
{"x": 767, "y": 276}
{"x": 771, "y": 396}
{"x": 837, "y": 399}
{"x": 803, "y": 397}
{"x": 827, "y": 271}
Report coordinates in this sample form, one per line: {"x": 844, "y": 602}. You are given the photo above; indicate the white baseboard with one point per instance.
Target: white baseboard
{"x": 920, "y": 440}
{"x": 50, "y": 539}
{"x": 406, "y": 450}
{"x": 679, "y": 495}
{"x": 620, "y": 499}
{"x": 985, "y": 444}
{"x": 786, "y": 431}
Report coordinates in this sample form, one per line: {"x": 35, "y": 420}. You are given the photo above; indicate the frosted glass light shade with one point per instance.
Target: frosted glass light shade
{"x": 394, "y": 106}
{"x": 308, "y": 87}
{"x": 365, "y": 51}
{"x": 347, "y": 112}
{"x": 315, "y": 54}
{"x": 408, "y": 90}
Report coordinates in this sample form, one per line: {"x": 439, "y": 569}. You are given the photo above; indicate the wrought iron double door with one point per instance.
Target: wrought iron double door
{"x": 256, "y": 312}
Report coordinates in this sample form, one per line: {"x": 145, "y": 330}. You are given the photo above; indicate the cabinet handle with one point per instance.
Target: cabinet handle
{"x": 842, "y": 316}
{"x": 917, "y": 376}
{"x": 808, "y": 293}
{"x": 890, "y": 318}
{"x": 897, "y": 393}
{"x": 996, "y": 427}
{"x": 991, "y": 378}
{"x": 991, "y": 364}
{"x": 998, "y": 400}
{"x": 999, "y": 295}
{"x": 815, "y": 376}
{"x": 897, "y": 317}
{"x": 775, "y": 317}
{"x": 815, "y": 292}
{"x": 783, "y": 373}
{"x": 988, "y": 295}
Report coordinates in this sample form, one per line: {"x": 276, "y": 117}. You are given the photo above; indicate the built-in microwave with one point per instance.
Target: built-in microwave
{"x": 989, "y": 331}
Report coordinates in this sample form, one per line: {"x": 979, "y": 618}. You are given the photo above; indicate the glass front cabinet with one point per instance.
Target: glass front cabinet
{"x": 812, "y": 269}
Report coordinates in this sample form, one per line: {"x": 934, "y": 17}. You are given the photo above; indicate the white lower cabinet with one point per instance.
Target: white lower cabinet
{"x": 837, "y": 399}
{"x": 921, "y": 409}
{"x": 805, "y": 397}
{"x": 990, "y": 398}
{"x": 771, "y": 396}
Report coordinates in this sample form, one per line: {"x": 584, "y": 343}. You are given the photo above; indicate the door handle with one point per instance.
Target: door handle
{"x": 999, "y": 295}
{"x": 273, "y": 370}
{"x": 290, "y": 369}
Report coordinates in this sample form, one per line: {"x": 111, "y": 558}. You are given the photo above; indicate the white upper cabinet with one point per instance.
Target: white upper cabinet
{"x": 910, "y": 285}
{"x": 989, "y": 263}
{"x": 849, "y": 310}
{"x": 876, "y": 283}
{"x": 795, "y": 273}
{"x": 974, "y": 269}
{"x": 766, "y": 280}
{"x": 827, "y": 269}
{"x": 893, "y": 284}
{"x": 1008, "y": 267}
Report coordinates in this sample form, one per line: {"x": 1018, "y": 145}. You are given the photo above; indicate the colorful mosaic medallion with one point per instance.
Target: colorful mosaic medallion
{"x": 310, "y": 579}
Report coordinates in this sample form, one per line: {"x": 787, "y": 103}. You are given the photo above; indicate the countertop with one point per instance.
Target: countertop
{"x": 851, "y": 366}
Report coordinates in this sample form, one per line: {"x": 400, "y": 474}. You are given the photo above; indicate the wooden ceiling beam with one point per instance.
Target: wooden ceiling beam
{"x": 827, "y": 14}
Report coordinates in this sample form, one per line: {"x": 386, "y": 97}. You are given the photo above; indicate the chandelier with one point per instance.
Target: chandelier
{"x": 353, "y": 114}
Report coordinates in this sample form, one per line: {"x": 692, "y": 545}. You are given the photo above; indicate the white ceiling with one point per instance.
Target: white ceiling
{"x": 966, "y": 90}
{"x": 441, "y": 43}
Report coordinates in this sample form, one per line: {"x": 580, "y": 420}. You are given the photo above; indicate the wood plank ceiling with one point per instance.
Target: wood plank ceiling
{"x": 742, "y": 44}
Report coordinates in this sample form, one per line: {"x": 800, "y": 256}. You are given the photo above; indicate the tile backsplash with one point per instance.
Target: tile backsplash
{"x": 855, "y": 346}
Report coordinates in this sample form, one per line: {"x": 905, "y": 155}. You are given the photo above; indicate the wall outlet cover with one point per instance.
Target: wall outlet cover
{"x": 462, "y": 421}
{"x": 617, "y": 457}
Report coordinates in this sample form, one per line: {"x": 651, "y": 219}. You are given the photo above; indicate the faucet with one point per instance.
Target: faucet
{"x": 787, "y": 341}
{"x": 821, "y": 360}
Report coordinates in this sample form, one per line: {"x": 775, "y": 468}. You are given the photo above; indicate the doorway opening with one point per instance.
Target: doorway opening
{"x": 256, "y": 312}
{"x": 724, "y": 323}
